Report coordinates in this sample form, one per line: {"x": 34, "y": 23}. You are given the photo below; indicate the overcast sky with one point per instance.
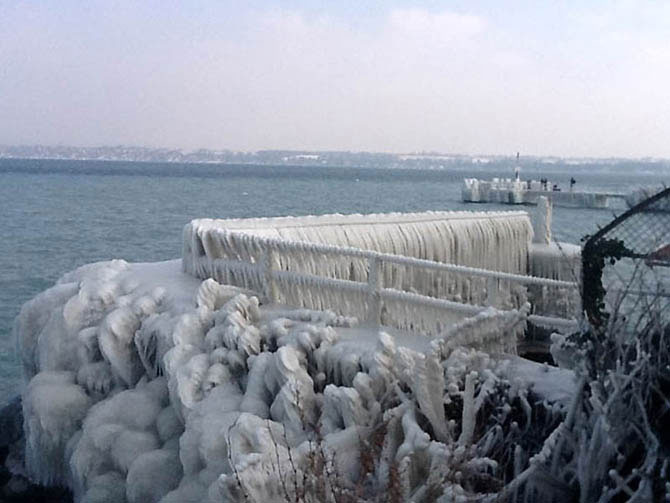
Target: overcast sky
{"x": 555, "y": 78}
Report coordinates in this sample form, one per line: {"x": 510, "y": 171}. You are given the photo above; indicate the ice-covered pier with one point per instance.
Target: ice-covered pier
{"x": 516, "y": 191}
{"x": 419, "y": 272}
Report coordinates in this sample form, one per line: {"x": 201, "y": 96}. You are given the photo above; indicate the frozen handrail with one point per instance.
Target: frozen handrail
{"x": 248, "y": 224}
{"x": 490, "y": 240}
{"x": 344, "y": 251}
{"x": 406, "y": 292}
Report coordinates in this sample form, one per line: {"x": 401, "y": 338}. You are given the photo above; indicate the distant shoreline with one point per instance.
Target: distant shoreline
{"x": 291, "y": 157}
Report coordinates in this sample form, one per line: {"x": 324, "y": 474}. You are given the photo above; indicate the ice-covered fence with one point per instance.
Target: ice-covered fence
{"x": 343, "y": 263}
{"x": 488, "y": 240}
{"x": 493, "y": 240}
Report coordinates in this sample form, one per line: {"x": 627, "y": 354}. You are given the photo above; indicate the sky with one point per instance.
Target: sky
{"x": 568, "y": 78}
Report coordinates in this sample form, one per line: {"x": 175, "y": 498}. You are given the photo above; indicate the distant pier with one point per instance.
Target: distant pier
{"x": 515, "y": 191}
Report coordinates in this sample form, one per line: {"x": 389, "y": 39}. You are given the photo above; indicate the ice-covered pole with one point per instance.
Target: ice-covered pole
{"x": 542, "y": 221}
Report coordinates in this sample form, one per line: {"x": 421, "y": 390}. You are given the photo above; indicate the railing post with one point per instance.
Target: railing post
{"x": 374, "y": 289}
{"x": 492, "y": 291}
{"x": 269, "y": 284}
{"x": 541, "y": 221}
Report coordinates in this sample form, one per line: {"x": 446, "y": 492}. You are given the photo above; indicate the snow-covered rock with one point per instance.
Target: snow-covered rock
{"x": 147, "y": 384}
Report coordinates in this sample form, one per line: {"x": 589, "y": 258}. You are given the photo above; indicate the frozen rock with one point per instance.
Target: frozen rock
{"x": 53, "y": 410}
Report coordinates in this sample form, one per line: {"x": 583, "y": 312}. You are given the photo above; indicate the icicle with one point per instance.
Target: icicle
{"x": 468, "y": 420}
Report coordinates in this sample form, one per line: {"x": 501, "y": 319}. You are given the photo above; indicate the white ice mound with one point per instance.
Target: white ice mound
{"x": 145, "y": 385}
{"x": 54, "y": 407}
{"x": 116, "y": 432}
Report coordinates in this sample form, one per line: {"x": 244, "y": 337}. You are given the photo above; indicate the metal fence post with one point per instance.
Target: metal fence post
{"x": 492, "y": 291}
{"x": 269, "y": 283}
{"x": 374, "y": 289}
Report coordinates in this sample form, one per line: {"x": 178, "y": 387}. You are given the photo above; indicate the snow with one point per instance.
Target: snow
{"x": 556, "y": 385}
{"x": 147, "y": 384}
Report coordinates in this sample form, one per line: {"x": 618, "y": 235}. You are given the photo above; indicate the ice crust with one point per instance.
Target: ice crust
{"x": 145, "y": 384}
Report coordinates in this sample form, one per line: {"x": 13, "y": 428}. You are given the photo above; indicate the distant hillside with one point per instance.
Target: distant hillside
{"x": 280, "y": 157}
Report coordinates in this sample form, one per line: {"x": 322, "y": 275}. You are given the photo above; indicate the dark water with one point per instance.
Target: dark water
{"x": 58, "y": 215}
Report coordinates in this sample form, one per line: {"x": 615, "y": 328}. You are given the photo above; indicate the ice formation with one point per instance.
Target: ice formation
{"x": 490, "y": 240}
{"x": 145, "y": 384}
{"x": 393, "y": 269}
{"x": 542, "y": 221}
{"x": 420, "y": 272}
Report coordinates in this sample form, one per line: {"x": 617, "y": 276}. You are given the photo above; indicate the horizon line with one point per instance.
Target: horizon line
{"x": 424, "y": 153}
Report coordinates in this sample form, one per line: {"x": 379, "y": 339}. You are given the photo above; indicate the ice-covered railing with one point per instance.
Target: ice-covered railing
{"x": 413, "y": 288}
{"x": 489, "y": 240}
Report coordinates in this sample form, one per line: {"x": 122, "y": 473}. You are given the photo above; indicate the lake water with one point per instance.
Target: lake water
{"x": 58, "y": 215}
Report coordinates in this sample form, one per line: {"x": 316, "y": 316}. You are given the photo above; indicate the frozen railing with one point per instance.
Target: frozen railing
{"x": 487, "y": 240}
{"x": 380, "y": 288}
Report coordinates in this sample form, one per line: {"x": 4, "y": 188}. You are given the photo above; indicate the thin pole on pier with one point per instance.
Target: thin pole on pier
{"x": 517, "y": 169}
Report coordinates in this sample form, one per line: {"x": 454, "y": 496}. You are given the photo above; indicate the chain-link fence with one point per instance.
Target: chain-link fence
{"x": 626, "y": 266}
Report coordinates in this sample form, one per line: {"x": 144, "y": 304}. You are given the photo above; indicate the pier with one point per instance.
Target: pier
{"x": 516, "y": 191}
